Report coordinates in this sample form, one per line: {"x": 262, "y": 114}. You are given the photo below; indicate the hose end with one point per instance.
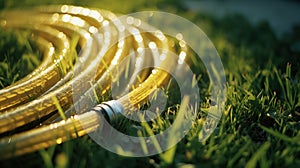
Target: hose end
{"x": 112, "y": 110}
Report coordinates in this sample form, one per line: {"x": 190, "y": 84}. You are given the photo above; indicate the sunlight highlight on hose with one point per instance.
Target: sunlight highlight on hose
{"x": 84, "y": 52}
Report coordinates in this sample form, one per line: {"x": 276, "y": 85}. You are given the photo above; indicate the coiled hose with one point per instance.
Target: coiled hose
{"x": 68, "y": 75}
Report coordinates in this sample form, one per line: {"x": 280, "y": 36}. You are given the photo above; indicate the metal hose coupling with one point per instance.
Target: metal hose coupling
{"x": 112, "y": 110}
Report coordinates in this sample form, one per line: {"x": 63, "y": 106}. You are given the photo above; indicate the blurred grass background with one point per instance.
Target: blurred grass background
{"x": 261, "y": 123}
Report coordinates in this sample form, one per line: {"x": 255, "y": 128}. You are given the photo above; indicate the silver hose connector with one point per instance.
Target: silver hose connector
{"x": 112, "y": 110}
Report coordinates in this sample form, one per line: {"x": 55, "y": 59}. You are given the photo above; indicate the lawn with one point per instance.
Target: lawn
{"x": 261, "y": 121}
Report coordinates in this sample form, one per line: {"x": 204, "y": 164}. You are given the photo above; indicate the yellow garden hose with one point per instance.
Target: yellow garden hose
{"x": 104, "y": 42}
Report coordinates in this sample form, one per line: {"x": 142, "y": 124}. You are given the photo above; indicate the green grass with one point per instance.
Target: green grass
{"x": 18, "y": 56}
{"x": 260, "y": 125}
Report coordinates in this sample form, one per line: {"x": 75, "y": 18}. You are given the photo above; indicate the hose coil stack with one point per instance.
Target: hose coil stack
{"x": 81, "y": 49}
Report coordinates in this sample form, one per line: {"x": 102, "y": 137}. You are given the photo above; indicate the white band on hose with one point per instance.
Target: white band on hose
{"x": 113, "y": 109}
